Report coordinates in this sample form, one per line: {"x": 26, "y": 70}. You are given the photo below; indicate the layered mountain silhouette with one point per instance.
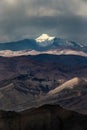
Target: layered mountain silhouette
{"x": 47, "y": 70}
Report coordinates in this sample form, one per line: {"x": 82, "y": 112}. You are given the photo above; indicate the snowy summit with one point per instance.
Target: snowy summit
{"x": 44, "y": 37}
{"x": 45, "y": 40}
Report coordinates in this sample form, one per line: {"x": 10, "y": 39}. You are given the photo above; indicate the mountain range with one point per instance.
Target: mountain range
{"x": 43, "y": 84}
{"x": 26, "y": 80}
{"x": 42, "y": 43}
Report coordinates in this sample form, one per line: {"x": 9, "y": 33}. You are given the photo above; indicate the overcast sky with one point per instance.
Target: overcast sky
{"x": 21, "y": 19}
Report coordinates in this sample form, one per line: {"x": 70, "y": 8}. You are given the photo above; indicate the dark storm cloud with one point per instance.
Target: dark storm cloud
{"x": 64, "y": 18}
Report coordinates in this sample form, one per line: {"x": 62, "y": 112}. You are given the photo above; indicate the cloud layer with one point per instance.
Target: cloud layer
{"x": 29, "y": 18}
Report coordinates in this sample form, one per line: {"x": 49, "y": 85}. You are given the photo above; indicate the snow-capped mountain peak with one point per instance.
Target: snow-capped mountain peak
{"x": 44, "y": 37}
{"x": 45, "y": 40}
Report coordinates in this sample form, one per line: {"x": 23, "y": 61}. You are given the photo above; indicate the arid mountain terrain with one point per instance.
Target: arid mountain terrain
{"x": 35, "y": 80}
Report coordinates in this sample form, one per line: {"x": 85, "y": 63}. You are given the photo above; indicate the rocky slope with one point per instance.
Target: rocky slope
{"x": 26, "y": 79}
{"x": 72, "y": 95}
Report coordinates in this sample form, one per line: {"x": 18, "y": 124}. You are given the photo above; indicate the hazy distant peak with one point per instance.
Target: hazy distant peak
{"x": 44, "y": 37}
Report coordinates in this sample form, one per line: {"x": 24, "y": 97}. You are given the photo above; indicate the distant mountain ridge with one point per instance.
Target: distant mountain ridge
{"x": 42, "y": 43}
{"x": 9, "y": 53}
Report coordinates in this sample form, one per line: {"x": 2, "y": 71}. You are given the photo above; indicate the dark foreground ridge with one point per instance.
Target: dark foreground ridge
{"x": 47, "y": 117}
